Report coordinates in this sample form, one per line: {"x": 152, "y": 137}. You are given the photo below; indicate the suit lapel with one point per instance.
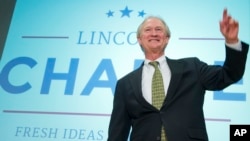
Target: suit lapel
{"x": 176, "y": 74}
{"x": 135, "y": 81}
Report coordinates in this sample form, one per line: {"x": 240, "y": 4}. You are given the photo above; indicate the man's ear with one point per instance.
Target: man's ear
{"x": 139, "y": 40}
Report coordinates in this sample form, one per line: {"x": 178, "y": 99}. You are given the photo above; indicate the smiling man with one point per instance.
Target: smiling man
{"x": 172, "y": 109}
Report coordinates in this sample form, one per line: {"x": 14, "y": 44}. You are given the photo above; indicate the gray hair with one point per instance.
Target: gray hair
{"x": 167, "y": 31}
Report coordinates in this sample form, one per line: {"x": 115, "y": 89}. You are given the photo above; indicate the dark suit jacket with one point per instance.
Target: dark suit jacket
{"x": 182, "y": 111}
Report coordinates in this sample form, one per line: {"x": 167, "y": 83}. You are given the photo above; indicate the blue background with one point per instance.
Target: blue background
{"x": 101, "y": 48}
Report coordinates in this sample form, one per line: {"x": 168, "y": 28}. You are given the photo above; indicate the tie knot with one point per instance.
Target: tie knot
{"x": 154, "y": 64}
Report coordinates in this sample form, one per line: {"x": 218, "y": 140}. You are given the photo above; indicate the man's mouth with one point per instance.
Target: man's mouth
{"x": 154, "y": 40}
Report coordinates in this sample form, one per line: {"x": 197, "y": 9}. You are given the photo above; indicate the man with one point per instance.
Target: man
{"x": 185, "y": 83}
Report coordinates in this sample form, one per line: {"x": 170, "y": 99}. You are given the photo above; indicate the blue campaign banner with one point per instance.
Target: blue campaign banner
{"x": 62, "y": 58}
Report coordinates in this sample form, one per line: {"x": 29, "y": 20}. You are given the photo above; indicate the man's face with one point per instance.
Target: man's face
{"x": 153, "y": 37}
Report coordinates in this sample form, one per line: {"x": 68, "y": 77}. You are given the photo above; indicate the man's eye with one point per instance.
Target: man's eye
{"x": 158, "y": 29}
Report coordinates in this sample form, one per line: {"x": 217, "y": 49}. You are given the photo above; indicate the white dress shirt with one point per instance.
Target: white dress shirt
{"x": 237, "y": 46}
{"x": 147, "y": 75}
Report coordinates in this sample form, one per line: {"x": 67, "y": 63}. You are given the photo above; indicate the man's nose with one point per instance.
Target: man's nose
{"x": 154, "y": 32}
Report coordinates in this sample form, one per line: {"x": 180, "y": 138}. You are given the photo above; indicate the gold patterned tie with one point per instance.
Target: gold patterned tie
{"x": 158, "y": 95}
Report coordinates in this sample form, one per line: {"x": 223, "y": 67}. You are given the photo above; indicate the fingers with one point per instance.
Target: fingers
{"x": 230, "y": 21}
{"x": 233, "y": 22}
{"x": 229, "y": 27}
{"x": 225, "y": 14}
{"x": 227, "y": 19}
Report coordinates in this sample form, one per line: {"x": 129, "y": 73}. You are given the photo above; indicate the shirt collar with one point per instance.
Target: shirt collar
{"x": 160, "y": 60}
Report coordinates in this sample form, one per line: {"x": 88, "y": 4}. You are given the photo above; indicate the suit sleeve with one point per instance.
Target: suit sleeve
{"x": 214, "y": 77}
{"x": 119, "y": 125}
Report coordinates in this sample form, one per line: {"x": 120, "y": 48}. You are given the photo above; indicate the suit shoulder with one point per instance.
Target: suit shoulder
{"x": 135, "y": 73}
{"x": 183, "y": 60}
